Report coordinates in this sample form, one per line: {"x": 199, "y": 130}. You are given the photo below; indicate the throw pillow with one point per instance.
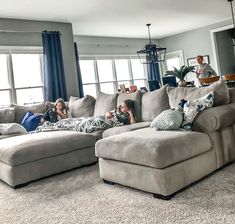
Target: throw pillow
{"x": 7, "y": 115}
{"x": 82, "y": 107}
{"x": 104, "y": 103}
{"x": 169, "y": 119}
{"x": 193, "y": 107}
{"x": 10, "y": 128}
{"x": 153, "y": 103}
{"x": 31, "y": 121}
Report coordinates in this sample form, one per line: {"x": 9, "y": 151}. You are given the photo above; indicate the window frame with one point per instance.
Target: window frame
{"x": 8, "y": 51}
{"x": 115, "y": 81}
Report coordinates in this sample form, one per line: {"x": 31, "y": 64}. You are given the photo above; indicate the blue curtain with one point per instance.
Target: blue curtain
{"x": 153, "y": 76}
{"x": 54, "y": 77}
{"x": 80, "y": 86}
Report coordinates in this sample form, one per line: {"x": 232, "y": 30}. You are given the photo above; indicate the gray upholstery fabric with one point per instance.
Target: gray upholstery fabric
{"x": 15, "y": 175}
{"x": 104, "y": 103}
{"x": 159, "y": 181}
{"x": 7, "y": 115}
{"x": 215, "y": 118}
{"x": 21, "y": 110}
{"x": 153, "y": 103}
{"x": 11, "y": 135}
{"x": 82, "y": 107}
{"x": 125, "y": 128}
{"x": 191, "y": 93}
{"x": 152, "y": 148}
{"x": 31, "y": 147}
{"x": 136, "y": 96}
{"x": 232, "y": 95}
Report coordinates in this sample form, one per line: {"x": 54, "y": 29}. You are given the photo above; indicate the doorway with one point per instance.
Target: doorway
{"x": 223, "y": 50}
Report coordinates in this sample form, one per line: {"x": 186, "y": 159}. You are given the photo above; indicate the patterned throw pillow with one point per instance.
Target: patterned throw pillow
{"x": 193, "y": 107}
{"x": 168, "y": 119}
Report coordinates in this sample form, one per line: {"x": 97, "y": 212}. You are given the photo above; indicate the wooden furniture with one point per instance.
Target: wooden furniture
{"x": 207, "y": 81}
{"x": 230, "y": 80}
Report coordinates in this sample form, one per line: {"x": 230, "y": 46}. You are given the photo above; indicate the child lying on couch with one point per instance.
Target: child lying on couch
{"x": 124, "y": 114}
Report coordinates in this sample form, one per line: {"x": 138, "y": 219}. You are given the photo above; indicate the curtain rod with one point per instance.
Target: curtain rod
{"x": 18, "y": 31}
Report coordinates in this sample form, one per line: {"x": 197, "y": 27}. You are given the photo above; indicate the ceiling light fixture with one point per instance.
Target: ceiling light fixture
{"x": 151, "y": 53}
{"x": 233, "y": 33}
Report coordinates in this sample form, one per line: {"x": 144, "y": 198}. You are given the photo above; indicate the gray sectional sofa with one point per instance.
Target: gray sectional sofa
{"x": 160, "y": 162}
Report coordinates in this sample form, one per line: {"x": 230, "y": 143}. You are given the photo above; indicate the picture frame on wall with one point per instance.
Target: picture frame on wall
{"x": 193, "y": 61}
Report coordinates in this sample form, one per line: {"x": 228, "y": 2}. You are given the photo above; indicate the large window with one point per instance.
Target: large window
{"x": 21, "y": 76}
{"x": 106, "y": 74}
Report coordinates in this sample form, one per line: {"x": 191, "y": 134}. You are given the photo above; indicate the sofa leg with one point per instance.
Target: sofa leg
{"x": 108, "y": 182}
{"x": 168, "y": 197}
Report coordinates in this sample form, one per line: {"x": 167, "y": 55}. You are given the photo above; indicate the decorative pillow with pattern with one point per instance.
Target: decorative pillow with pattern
{"x": 168, "y": 119}
{"x": 193, "y": 107}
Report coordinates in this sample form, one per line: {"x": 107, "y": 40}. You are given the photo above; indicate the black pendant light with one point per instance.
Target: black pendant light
{"x": 152, "y": 53}
{"x": 233, "y": 31}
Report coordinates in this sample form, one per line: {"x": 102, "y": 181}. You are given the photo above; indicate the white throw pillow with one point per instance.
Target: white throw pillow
{"x": 193, "y": 107}
{"x": 10, "y": 128}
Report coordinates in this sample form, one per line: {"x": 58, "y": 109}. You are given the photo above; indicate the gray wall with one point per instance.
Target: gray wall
{"x": 88, "y": 45}
{"x": 225, "y": 52}
{"x": 193, "y": 43}
{"x": 30, "y": 35}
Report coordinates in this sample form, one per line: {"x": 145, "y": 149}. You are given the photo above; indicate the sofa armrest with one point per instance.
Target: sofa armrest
{"x": 215, "y": 118}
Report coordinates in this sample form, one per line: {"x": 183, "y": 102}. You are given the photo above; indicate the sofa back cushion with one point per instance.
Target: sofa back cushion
{"x": 20, "y": 111}
{"x": 153, "y": 103}
{"x": 82, "y": 107}
{"x": 232, "y": 95}
{"x": 104, "y": 103}
{"x": 136, "y": 97}
{"x": 219, "y": 88}
{"x": 7, "y": 115}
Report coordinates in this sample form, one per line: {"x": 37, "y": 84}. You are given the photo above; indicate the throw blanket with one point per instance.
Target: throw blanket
{"x": 82, "y": 124}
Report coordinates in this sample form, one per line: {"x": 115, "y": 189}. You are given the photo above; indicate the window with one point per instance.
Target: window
{"x": 106, "y": 74}
{"x": 21, "y": 76}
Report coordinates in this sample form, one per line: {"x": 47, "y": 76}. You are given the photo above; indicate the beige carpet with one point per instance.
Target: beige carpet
{"x": 79, "y": 196}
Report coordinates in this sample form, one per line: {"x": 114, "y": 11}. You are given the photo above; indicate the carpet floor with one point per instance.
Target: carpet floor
{"x": 79, "y": 196}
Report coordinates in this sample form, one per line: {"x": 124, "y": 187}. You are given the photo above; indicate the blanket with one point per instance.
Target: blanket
{"x": 81, "y": 124}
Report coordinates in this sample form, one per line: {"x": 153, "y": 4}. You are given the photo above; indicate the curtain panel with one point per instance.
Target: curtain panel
{"x": 153, "y": 76}
{"x": 54, "y": 76}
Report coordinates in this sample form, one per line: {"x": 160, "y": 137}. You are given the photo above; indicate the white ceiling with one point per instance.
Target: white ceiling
{"x": 121, "y": 18}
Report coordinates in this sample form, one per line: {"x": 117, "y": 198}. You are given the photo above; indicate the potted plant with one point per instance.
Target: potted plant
{"x": 181, "y": 73}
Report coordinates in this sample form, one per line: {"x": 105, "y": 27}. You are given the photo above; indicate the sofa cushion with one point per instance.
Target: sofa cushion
{"x": 153, "y": 103}
{"x": 219, "y": 88}
{"x": 7, "y": 115}
{"x": 21, "y": 110}
{"x": 152, "y": 148}
{"x": 31, "y": 147}
{"x": 125, "y": 128}
{"x": 104, "y": 103}
{"x": 82, "y": 107}
{"x": 136, "y": 97}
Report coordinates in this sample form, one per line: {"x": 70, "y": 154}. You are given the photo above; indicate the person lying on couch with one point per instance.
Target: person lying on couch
{"x": 125, "y": 113}
{"x": 57, "y": 113}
